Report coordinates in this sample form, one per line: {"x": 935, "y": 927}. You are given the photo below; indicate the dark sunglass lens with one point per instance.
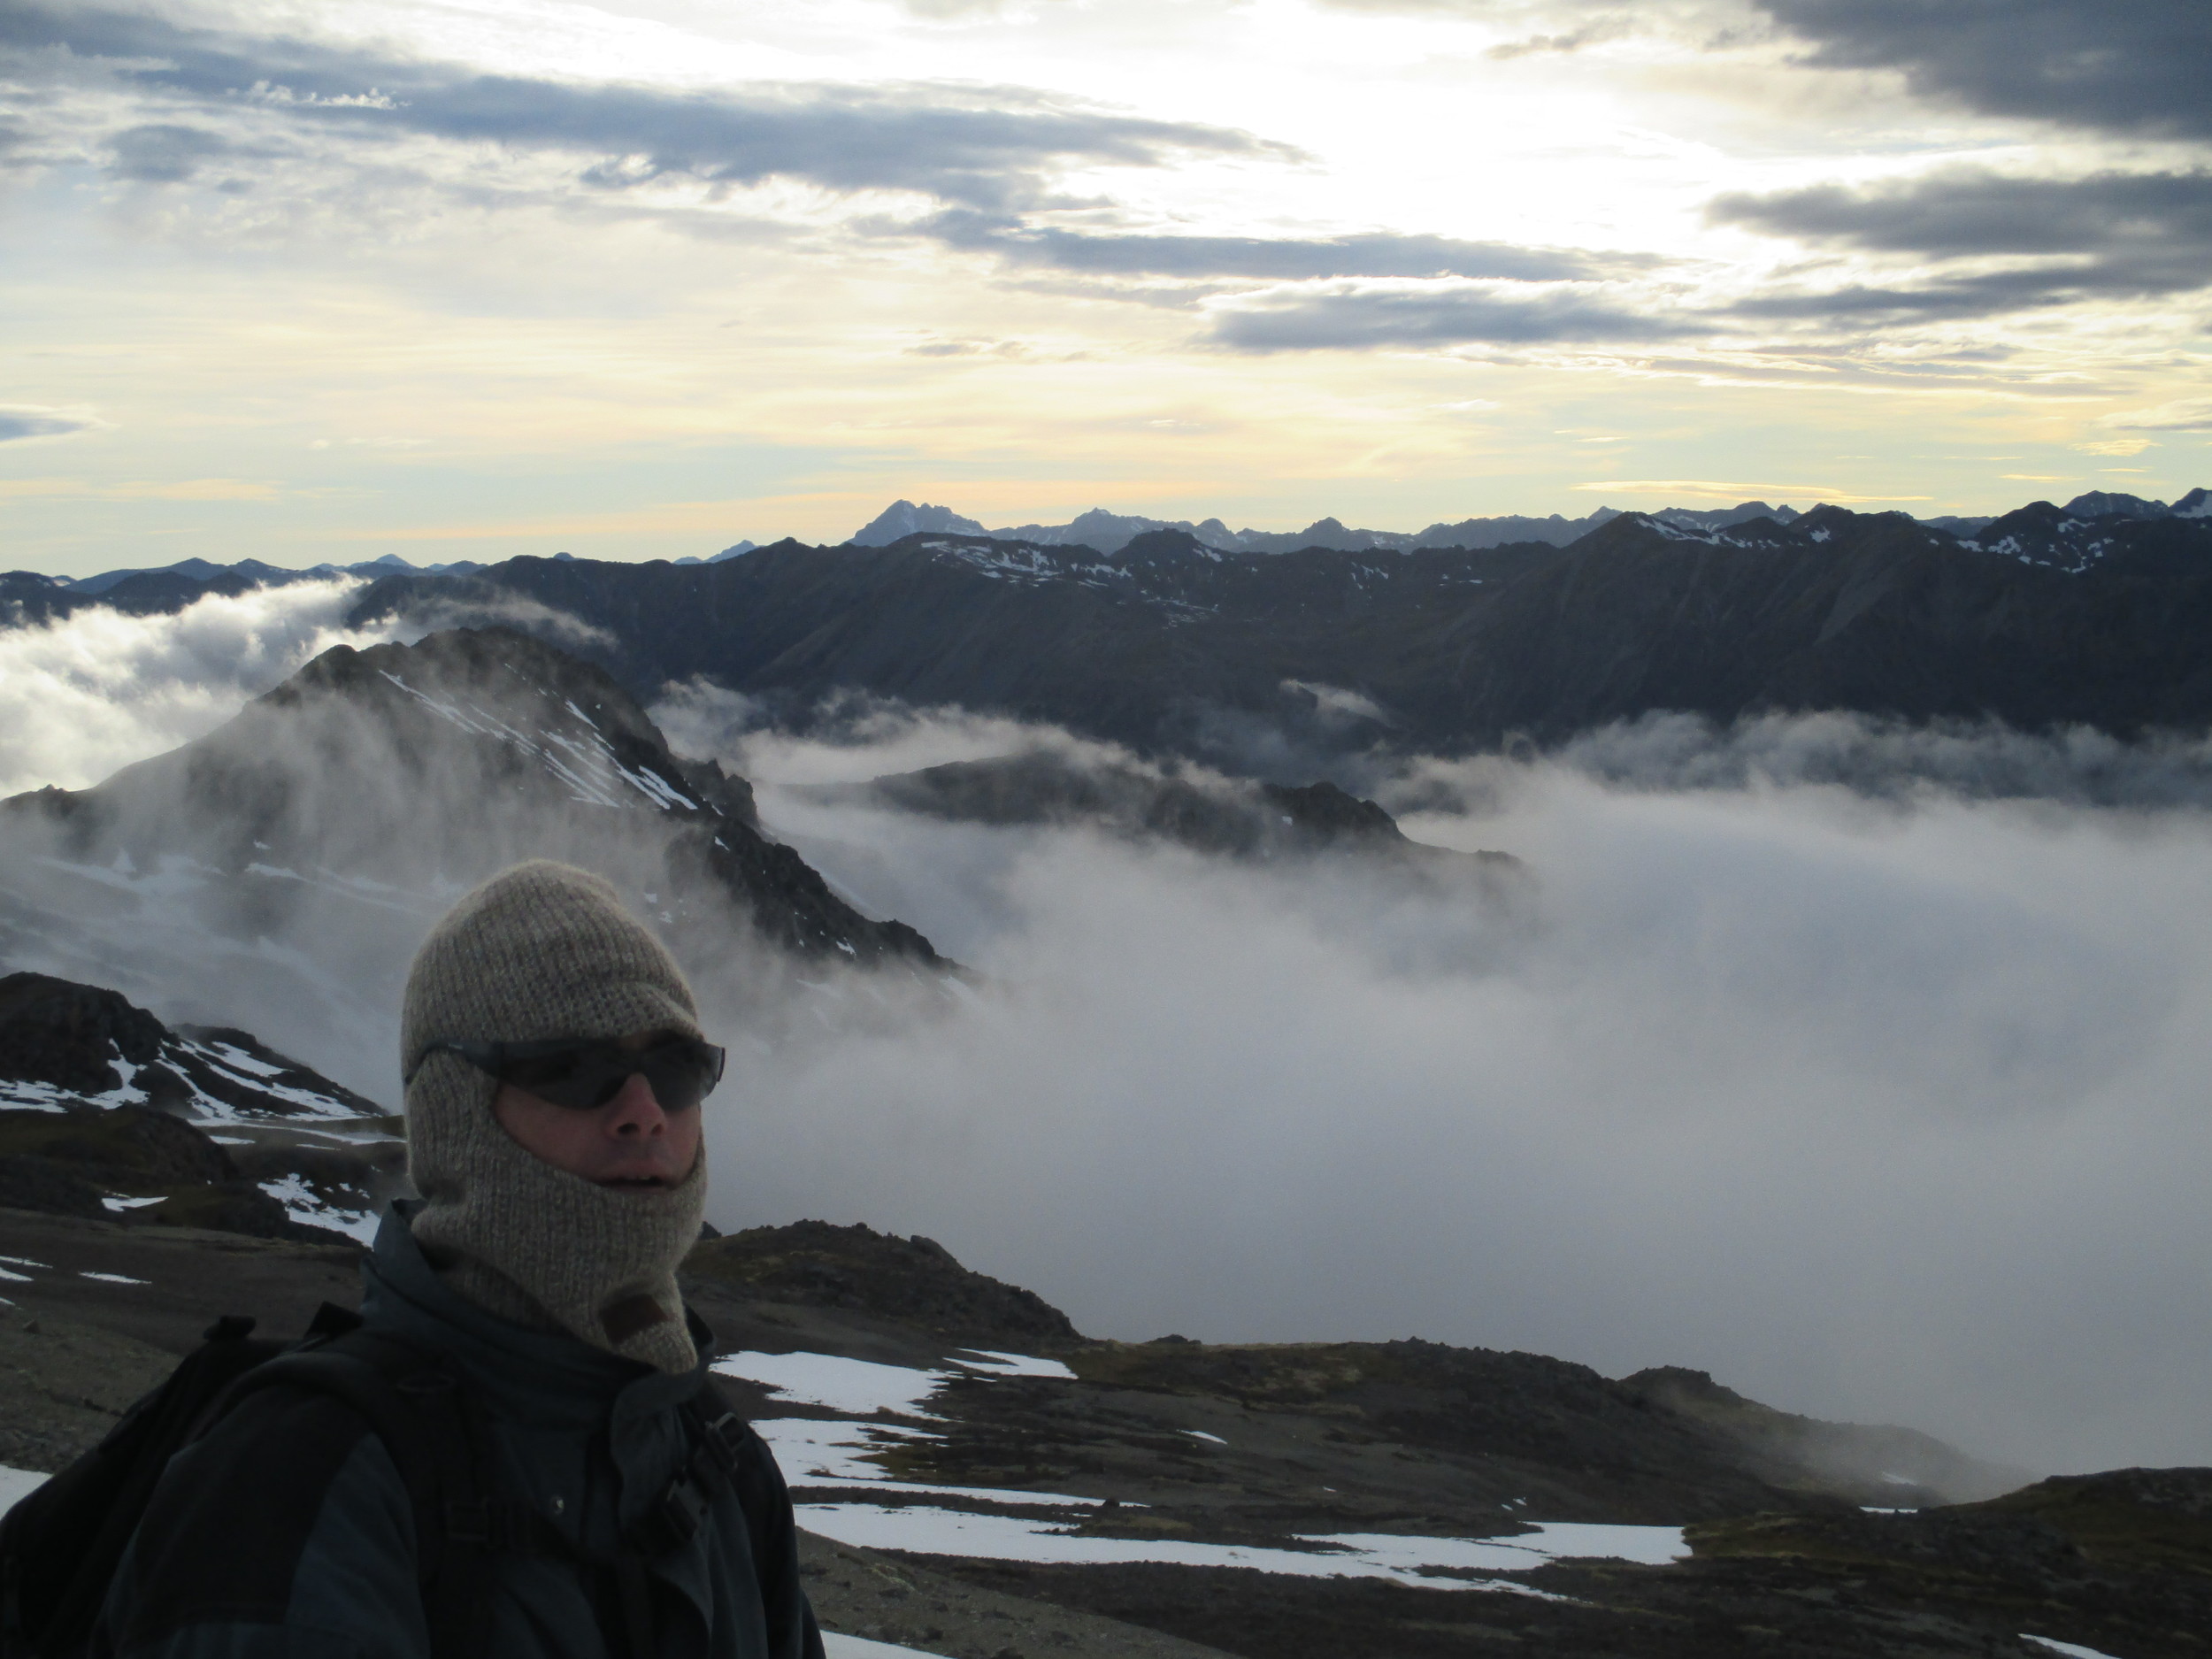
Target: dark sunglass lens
{"x": 538, "y": 1071}
{"x": 681, "y": 1073}
{"x": 583, "y": 1076}
{"x": 578, "y": 1076}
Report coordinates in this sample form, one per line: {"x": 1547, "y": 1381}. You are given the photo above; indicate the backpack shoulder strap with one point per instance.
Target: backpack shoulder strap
{"x": 413, "y": 1399}
{"x": 744, "y": 1461}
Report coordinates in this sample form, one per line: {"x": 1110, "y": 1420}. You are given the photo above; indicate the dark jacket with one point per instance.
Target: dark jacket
{"x": 287, "y": 1533}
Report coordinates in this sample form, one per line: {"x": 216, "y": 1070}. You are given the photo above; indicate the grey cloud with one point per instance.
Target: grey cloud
{"x": 1355, "y": 318}
{"x": 1962, "y": 213}
{"x": 164, "y": 153}
{"x": 19, "y": 421}
{"x": 1591, "y": 34}
{"x": 2112, "y": 234}
{"x": 1274, "y": 258}
{"x": 979, "y": 148}
{"x": 1969, "y": 296}
{"x": 2119, "y": 65}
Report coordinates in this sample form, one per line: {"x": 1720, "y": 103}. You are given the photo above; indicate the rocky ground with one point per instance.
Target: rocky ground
{"x": 1170, "y": 1443}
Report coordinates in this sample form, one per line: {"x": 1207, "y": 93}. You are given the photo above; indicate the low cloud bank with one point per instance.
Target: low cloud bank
{"x": 1889, "y": 760}
{"x": 1880, "y": 1103}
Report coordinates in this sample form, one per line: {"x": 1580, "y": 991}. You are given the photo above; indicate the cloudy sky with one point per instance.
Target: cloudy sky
{"x": 470, "y": 278}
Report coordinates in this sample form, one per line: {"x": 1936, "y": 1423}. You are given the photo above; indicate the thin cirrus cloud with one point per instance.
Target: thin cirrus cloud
{"x": 2122, "y": 66}
{"x": 1351, "y": 316}
{"x": 2109, "y": 235}
{"x": 992, "y": 149}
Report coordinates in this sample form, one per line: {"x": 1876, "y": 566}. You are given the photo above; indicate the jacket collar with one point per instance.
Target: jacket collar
{"x": 532, "y": 1374}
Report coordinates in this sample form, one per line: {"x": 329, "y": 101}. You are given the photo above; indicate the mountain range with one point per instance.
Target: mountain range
{"x": 1273, "y": 662}
{"x": 30, "y": 595}
{"x": 1107, "y": 532}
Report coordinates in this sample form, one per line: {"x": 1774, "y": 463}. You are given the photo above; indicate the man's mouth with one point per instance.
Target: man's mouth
{"x": 637, "y": 1183}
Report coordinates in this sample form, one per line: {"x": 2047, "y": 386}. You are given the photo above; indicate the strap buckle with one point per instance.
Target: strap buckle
{"x": 725, "y": 1438}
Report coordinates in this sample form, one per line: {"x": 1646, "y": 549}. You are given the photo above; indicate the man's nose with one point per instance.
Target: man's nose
{"x": 635, "y": 1110}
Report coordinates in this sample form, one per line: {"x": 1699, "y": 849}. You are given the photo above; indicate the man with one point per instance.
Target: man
{"x": 553, "y": 1068}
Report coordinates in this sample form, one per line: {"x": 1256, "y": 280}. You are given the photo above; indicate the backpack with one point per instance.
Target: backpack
{"x": 61, "y": 1545}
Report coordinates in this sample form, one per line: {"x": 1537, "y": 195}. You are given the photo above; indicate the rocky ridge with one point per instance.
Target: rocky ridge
{"x": 106, "y": 1113}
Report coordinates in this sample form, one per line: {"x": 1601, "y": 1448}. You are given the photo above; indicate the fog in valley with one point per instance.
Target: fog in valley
{"x": 1862, "y": 1067}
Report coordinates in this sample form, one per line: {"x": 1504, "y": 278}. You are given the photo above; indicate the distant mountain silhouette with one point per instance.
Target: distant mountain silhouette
{"x": 1171, "y": 646}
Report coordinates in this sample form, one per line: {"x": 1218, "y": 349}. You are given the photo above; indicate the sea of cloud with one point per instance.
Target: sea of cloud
{"x": 1885, "y": 1106}
{"x": 1875, "y": 1089}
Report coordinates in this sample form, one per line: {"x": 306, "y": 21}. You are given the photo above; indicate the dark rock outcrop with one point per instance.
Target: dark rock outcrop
{"x": 98, "y": 1100}
{"x": 1204, "y": 810}
{"x": 913, "y": 1280}
{"x": 71, "y": 1042}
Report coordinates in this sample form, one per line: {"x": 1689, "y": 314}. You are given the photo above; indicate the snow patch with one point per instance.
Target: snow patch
{"x": 306, "y": 1207}
{"x": 1409, "y": 1560}
{"x": 837, "y": 1646}
{"x": 857, "y": 1387}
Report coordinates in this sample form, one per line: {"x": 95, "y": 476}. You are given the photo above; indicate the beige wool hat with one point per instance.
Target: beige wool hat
{"x": 540, "y": 951}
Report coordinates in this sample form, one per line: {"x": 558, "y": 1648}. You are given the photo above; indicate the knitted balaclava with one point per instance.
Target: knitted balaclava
{"x": 538, "y": 951}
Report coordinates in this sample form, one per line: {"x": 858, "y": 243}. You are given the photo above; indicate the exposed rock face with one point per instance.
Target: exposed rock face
{"x": 914, "y": 1280}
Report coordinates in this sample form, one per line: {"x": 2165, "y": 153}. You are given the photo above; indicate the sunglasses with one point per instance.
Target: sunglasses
{"x": 582, "y": 1074}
